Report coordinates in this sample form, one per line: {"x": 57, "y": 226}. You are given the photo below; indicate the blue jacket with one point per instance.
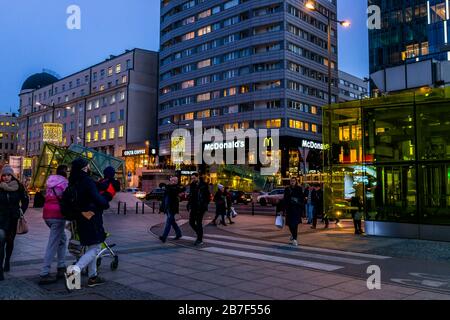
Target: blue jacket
{"x": 90, "y": 231}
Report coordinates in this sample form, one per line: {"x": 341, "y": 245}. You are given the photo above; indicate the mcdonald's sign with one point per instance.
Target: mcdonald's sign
{"x": 268, "y": 142}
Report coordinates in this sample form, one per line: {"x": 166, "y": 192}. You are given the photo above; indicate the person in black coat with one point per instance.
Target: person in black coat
{"x": 357, "y": 213}
{"x": 90, "y": 221}
{"x": 294, "y": 200}
{"x": 13, "y": 199}
{"x": 317, "y": 202}
{"x": 198, "y": 201}
{"x": 171, "y": 205}
{"x": 221, "y": 205}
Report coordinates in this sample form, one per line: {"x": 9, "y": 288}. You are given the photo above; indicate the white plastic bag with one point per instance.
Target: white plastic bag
{"x": 233, "y": 212}
{"x": 279, "y": 221}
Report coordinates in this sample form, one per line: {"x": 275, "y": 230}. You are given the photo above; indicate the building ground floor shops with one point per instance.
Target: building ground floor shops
{"x": 393, "y": 153}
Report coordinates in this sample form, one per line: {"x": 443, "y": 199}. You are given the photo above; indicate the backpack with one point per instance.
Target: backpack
{"x": 69, "y": 204}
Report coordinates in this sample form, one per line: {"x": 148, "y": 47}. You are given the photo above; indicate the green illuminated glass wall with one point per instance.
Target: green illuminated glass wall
{"x": 392, "y": 152}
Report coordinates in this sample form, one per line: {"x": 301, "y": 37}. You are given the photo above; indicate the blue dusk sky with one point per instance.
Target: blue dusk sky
{"x": 34, "y": 37}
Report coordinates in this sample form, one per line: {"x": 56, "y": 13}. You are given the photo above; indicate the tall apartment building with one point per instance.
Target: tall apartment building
{"x": 242, "y": 64}
{"x": 110, "y": 107}
{"x": 351, "y": 87}
{"x": 8, "y": 136}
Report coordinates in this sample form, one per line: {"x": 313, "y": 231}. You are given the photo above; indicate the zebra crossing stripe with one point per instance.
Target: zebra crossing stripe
{"x": 264, "y": 257}
{"x": 286, "y": 252}
{"x": 323, "y": 250}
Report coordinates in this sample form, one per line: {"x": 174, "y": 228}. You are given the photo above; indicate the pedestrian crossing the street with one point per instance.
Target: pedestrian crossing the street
{"x": 308, "y": 257}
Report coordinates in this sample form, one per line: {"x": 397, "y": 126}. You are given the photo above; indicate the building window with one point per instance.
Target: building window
{"x": 89, "y": 122}
{"x": 189, "y": 116}
{"x": 122, "y": 115}
{"x": 113, "y": 99}
{"x": 121, "y": 131}
{"x": 129, "y": 65}
{"x": 204, "y": 97}
{"x": 110, "y": 71}
{"x": 103, "y": 134}
{"x": 118, "y": 68}
{"x": 124, "y": 79}
{"x": 102, "y": 87}
{"x": 112, "y": 117}
{"x": 104, "y": 118}
{"x": 122, "y": 96}
{"x": 112, "y": 133}
{"x": 295, "y": 124}
{"x": 275, "y": 123}
{"x": 95, "y": 135}
{"x": 187, "y": 84}
{"x": 204, "y": 63}
{"x": 88, "y": 137}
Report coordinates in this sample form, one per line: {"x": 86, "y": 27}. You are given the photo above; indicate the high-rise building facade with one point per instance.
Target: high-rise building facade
{"x": 351, "y": 87}
{"x": 242, "y": 64}
{"x": 411, "y": 31}
{"x": 8, "y": 136}
{"x": 107, "y": 107}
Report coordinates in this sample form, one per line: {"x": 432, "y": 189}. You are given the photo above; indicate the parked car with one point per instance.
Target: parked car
{"x": 140, "y": 195}
{"x": 240, "y": 197}
{"x": 155, "y": 194}
{"x": 132, "y": 190}
{"x": 272, "y": 198}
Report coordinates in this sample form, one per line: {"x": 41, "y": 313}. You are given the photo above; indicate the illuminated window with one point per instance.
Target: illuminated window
{"x": 88, "y": 137}
{"x": 204, "y": 63}
{"x": 89, "y": 106}
{"x": 189, "y": 116}
{"x": 113, "y": 99}
{"x": 124, "y": 79}
{"x": 104, "y": 118}
{"x": 122, "y": 96}
{"x": 187, "y": 84}
{"x": 203, "y": 114}
{"x": 204, "y": 97}
{"x": 203, "y": 31}
{"x": 102, "y": 87}
{"x": 188, "y": 36}
{"x": 110, "y": 71}
{"x": 204, "y": 14}
{"x": 121, "y": 131}
{"x": 306, "y": 126}
{"x": 118, "y": 68}
{"x": 95, "y": 135}
{"x": 314, "y": 128}
{"x": 103, "y": 134}
{"x": 112, "y": 133}
{"x": 296, "y": 124}
{"x": 313, "y": 110}
{"x": 89, "y": 122}
{"x": 275, "y": 123}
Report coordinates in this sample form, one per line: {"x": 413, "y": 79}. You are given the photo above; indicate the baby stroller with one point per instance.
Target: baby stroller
{"x": 77, "y": 250}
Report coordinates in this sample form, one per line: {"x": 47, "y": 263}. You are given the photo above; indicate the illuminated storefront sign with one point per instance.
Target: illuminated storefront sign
{"x": 224, "y": 145}
{"x": 132, "y": 153}
{"x": 53, "y": 133}
{"x": 313, "y": 145}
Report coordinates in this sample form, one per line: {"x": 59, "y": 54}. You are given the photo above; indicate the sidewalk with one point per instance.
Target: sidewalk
{"x": 239, "y": 268}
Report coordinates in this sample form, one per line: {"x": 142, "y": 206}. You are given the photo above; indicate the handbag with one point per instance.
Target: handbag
{"x": 279, "y": 221}
{"x": 22, "y": 224}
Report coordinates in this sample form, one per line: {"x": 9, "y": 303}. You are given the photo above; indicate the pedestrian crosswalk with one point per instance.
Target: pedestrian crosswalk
{"x": 309, "y": 257}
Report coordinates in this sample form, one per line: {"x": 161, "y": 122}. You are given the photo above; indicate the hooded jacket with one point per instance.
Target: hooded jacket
{"x": 55, "y": 188}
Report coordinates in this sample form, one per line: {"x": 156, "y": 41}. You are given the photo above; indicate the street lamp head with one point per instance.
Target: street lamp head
{"x": 345, "y": 23}
{"x": 38, "y": 103}
{"x": 68, "y": 108}
{"x": 310, "y": 6}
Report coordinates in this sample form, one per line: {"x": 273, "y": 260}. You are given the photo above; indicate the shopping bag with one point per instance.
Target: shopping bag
{"x": 279, "y": 221}
{"x": 233, "y": 212}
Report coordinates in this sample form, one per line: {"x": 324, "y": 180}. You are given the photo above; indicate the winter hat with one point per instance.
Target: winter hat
{"x": 7, "y": 170}
{"x": 109, "y": 172}
{"x": 79, "y": 164}
{"x": 220, "y": 186}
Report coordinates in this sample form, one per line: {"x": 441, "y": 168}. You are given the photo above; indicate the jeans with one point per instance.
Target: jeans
{"x": 196, "y": 223}
{"x": 2, "y": 247}
{"x": 310, "y": 211}
{"x": 171, "y": 222}
{"x": 89, "y": 259}
{"x": 57, "y": 244}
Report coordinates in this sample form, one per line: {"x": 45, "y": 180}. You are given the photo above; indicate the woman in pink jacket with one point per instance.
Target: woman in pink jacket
{"x": 56, "y": 184}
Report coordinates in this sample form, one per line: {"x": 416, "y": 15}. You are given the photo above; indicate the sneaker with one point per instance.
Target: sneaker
{"x": 95, "y": 281}
{"x": 47, "y": 279}
{"x": 198, "y": 243}
{"x": 60, "y": 273}
{"x": 295, "y": 243}
{"x": 162, "y": 239}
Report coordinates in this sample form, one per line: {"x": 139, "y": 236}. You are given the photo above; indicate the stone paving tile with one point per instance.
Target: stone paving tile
{"x": 301, "y": 287}
{"x": 426, "y": 295}
{"x": 251, "y": 286}
{"x": 306, "y": 297}
{"x": 326, "y": 280}
{"x": 251, "y": 296}
{"x": 378, "y": 295}
{"x": 355, "y": 287}
{"x": 198, "y": 286}
{"x": 274, "y": 281}
{"x": 151, "y": 285}
{"x": 198, "y": 296}
{"x": 399, "y": 289}
{"x": 331, "y": 294}
{"x": 277, "y": 293}
{"x": 205, "y": 267}
{"x": 225, "y": 293}
{"x": 246, "y": 275}
{"x": 132, "y": 280}
{"x": 173, "y": 293}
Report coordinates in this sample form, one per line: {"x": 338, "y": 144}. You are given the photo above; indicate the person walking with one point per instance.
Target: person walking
{"x": 57, "y": 241}
{"x": 309, "y": 205}
{"x": 357, "y": 214}
{"x": 229, "y": 200}
{"x": 89, "y": 222}
{"x": 221, "y": 205}
{"x": 198, "y": 201}
{"x": 317, "y": 202}
{"x": 13, "y": 200}
{"x": 294, "y": 199}
{"x": 171, "y": 205}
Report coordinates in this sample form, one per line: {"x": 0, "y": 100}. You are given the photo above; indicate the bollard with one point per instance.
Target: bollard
{"x": 253, "y": 208}
{"x": 137, "y": 207}
{"x": 143, "y": 208}
{"x": 118, "y": 208}
{"x": 153, "y": 207}
{"x": 125, "y": 208}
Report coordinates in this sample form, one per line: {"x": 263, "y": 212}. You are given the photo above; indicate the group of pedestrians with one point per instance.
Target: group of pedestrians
{"x": 198, "y": 203}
